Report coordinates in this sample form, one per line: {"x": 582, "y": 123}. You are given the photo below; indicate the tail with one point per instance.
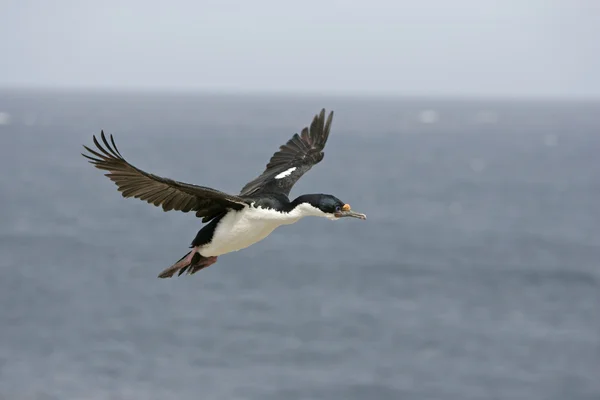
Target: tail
{"x": 192, "y": 262}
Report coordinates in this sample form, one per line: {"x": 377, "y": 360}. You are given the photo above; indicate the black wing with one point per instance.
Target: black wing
{"x": 293, "y": 159}
{"x": 170, "y": 194}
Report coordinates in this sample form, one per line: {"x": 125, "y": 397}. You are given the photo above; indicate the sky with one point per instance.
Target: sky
{"x": 490, "y": 48}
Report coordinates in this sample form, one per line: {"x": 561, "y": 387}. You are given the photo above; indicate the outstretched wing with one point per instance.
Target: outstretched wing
{"x": 170, "y": 194}
{"x": 293, "y": 159}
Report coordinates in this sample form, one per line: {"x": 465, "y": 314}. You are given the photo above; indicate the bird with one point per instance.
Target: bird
{"x": 232, "y": 222}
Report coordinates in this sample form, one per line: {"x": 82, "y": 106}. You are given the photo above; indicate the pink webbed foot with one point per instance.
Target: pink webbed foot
{"x": 201, "y": 264}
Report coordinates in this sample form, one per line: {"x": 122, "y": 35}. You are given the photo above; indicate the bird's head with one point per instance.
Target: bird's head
{"x": 325, "y": 205}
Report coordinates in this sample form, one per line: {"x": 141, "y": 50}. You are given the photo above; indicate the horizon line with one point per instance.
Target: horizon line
{"x": 223, "y": 91}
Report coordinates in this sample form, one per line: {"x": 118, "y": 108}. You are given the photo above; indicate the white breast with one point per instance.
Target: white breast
{"x": 238, "y": 230}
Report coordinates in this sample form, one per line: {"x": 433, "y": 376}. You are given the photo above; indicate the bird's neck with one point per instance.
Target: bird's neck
{"x": 305, "y": 206}
{"x": 312, "y": 199}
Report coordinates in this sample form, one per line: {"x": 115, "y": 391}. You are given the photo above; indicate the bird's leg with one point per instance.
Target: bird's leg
{"x": 204, "y": 262}
{"x": 201, "y": 264}
{"x": 208, "y": 261}
{"x": 190, "y": 257}
{"x": 182, "y": 265}
{"x": 195, "y": 259}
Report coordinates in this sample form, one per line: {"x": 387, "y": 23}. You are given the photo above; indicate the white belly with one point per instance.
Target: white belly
{"x": 238, "y": 230}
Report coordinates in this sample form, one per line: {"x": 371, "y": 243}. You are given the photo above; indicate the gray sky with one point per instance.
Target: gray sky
{"x": 406, "y": 47}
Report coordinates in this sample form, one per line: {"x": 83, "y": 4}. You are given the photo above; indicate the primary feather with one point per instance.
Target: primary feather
{"x": 156, "y": 190}
{"x": 296, "y": 157}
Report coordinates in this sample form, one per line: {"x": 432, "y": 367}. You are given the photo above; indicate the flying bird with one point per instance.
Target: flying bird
{"x": 233, "y": 222}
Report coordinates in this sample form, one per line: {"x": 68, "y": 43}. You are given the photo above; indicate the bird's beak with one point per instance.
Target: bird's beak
{"x": 347, "y": 212}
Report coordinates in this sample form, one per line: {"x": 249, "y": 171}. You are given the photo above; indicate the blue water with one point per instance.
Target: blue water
{"x": 476, "y": 275}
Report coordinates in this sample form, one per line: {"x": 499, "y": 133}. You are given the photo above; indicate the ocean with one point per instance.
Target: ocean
{"x": 475, "y": 276}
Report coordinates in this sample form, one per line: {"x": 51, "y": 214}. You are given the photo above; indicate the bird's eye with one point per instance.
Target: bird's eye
{"x": 337, "y": 208}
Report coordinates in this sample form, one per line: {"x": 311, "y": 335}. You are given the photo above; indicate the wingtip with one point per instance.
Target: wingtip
{"x": 321, "y": 116}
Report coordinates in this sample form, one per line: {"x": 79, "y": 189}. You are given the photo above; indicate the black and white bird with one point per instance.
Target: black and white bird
{"x": 234, "y": 221}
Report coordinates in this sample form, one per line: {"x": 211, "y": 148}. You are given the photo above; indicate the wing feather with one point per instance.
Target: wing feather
{"x": 301, "y": 151}
{"x": 156, "y": 190}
